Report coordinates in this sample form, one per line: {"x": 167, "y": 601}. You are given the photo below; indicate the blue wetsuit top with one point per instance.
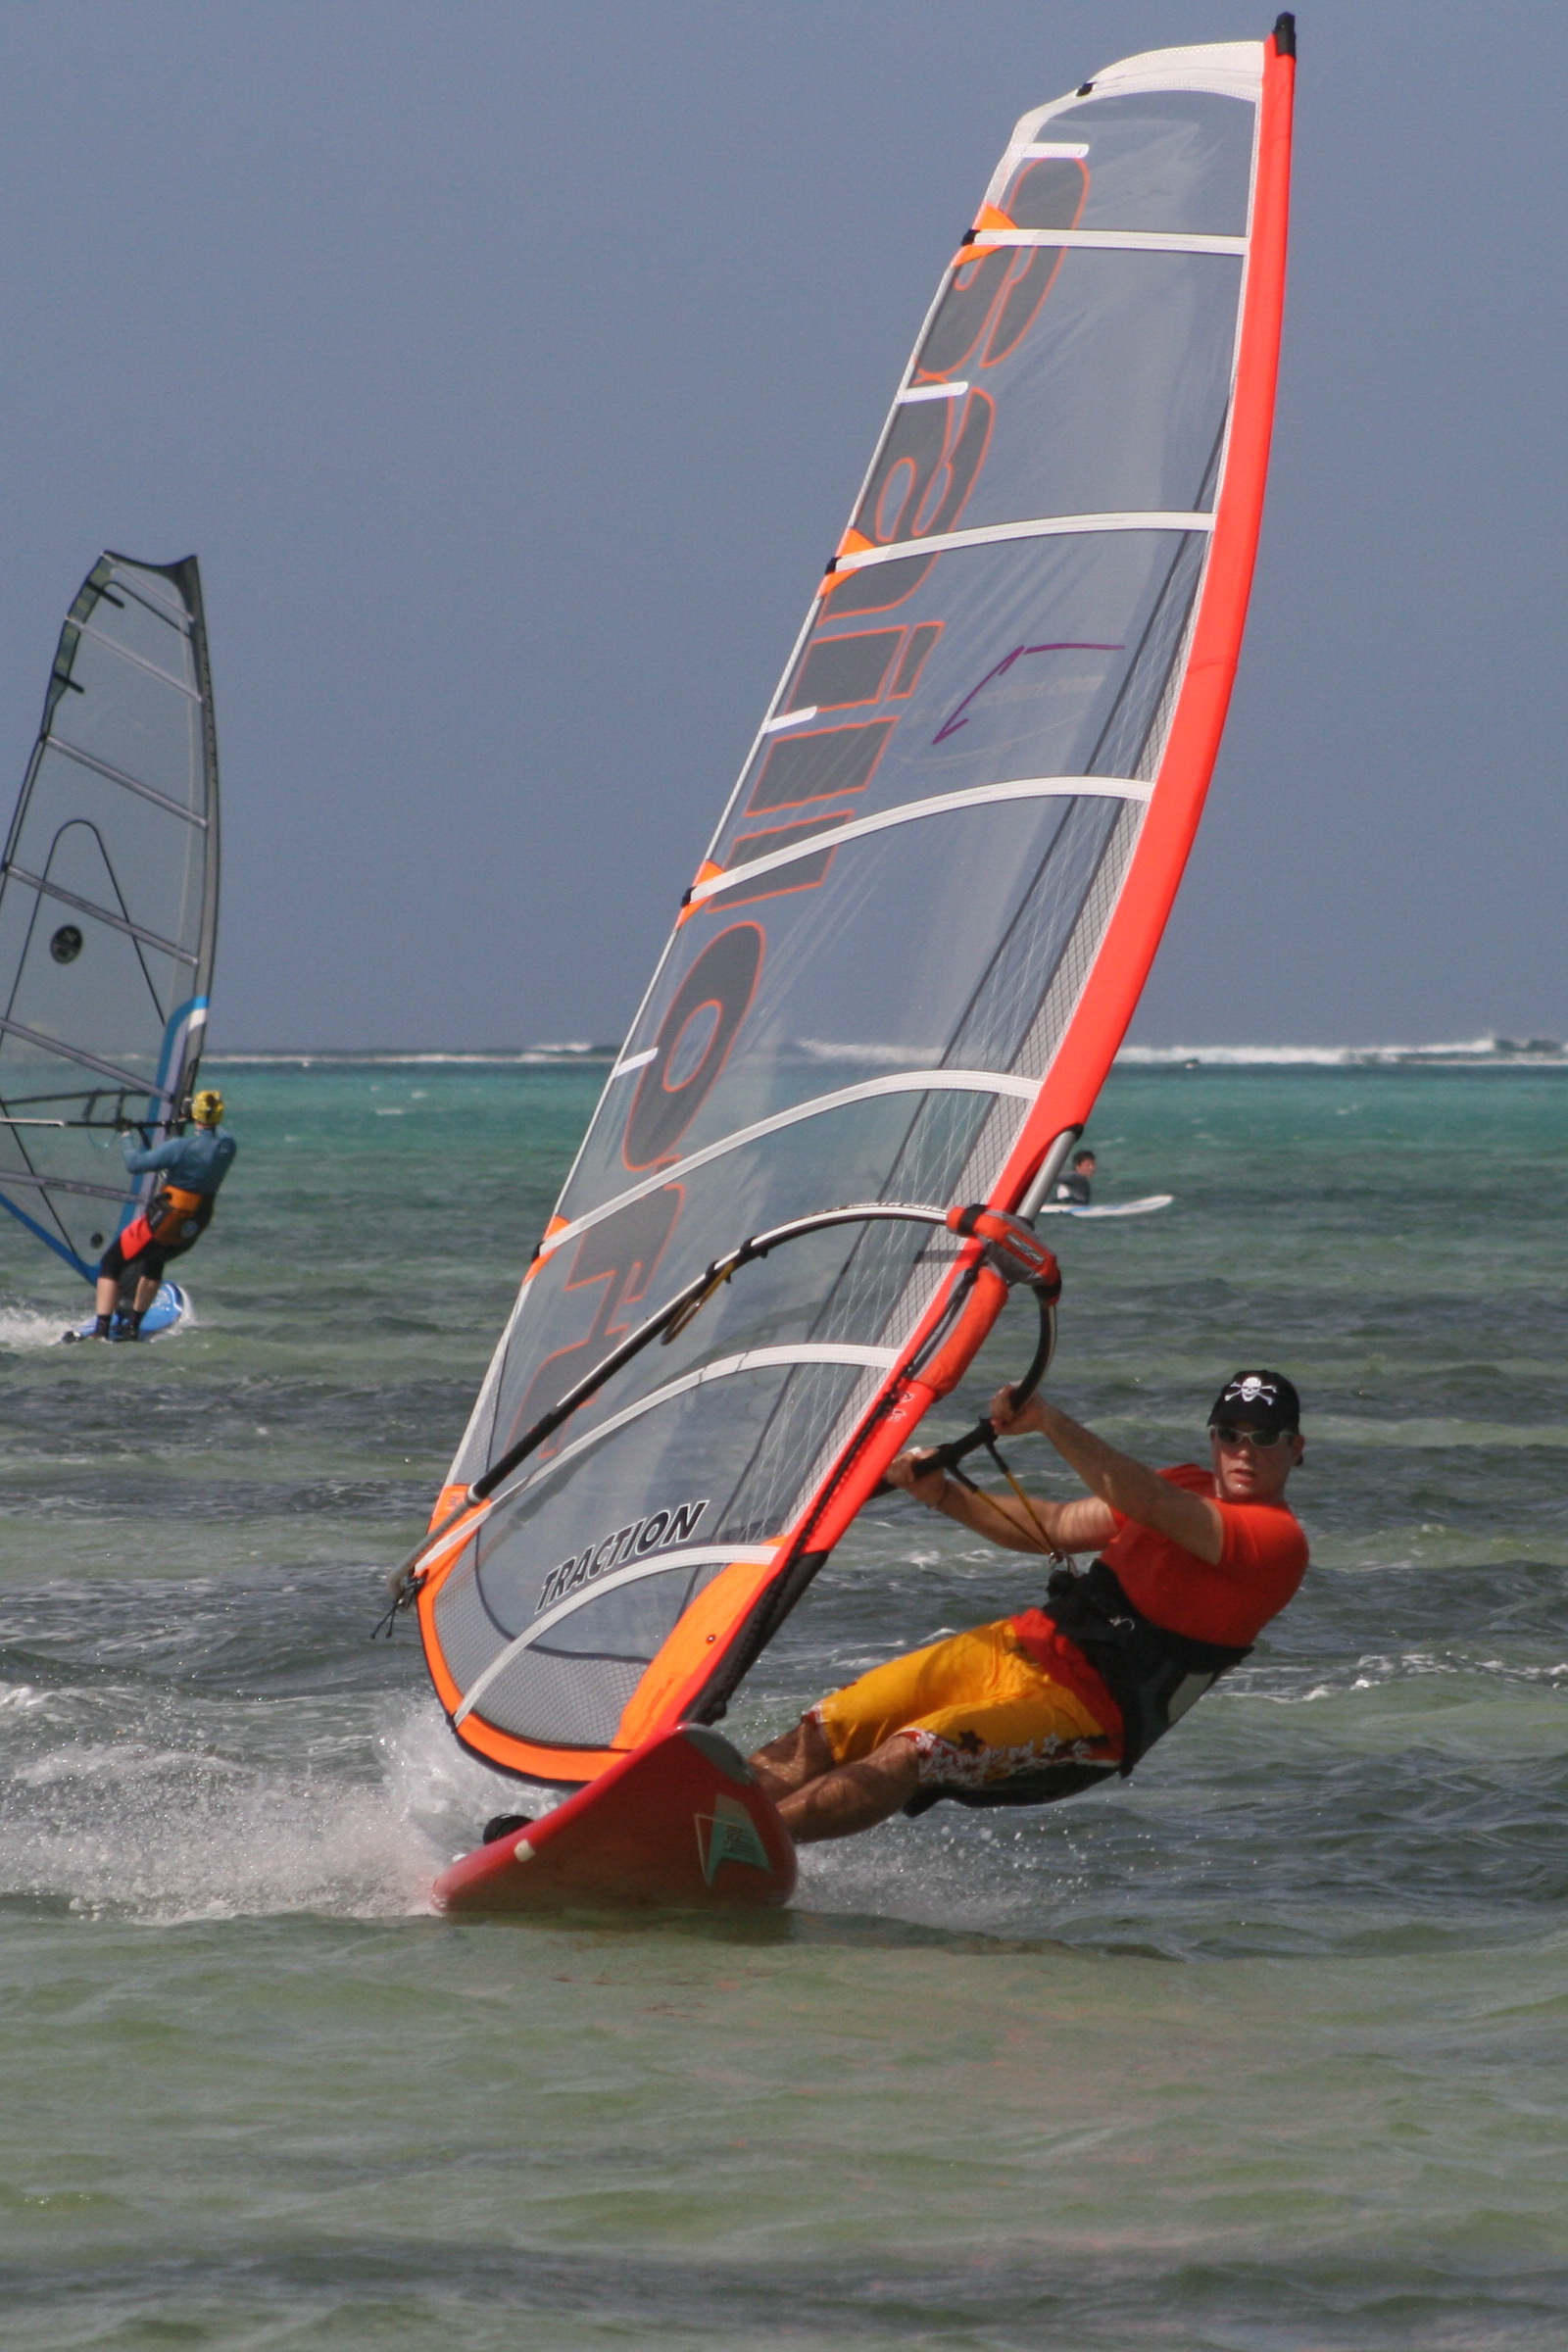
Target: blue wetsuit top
{"x": 196, "y": 1162}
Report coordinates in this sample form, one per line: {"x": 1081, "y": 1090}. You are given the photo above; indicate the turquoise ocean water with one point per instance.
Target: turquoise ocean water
{"x": 1263, "y": 2051}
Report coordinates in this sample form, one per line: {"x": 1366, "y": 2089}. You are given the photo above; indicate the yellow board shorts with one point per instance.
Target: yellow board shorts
{"x": 976, "y": 1707}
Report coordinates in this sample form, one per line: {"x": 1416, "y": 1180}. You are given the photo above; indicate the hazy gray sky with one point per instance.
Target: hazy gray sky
{"x": 512, "y": 368}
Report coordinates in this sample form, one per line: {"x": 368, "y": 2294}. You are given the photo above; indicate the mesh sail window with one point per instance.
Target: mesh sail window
{"x": 920, "y": 928}
{"x": 108, "y": 905}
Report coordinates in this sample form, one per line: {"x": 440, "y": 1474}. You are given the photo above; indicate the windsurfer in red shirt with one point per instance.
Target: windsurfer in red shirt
{"x": 1190, "y": 1566}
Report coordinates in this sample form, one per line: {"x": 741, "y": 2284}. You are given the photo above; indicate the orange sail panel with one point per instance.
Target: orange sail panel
{"x": 919, "y": 931}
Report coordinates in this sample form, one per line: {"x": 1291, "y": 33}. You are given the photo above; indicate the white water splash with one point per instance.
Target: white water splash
{"x": 26, "y": 1327}
{"x": 166, "y": 1828}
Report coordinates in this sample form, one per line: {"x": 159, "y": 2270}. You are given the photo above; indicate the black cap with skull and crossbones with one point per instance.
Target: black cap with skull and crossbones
{"x": 1267, "y": 1399}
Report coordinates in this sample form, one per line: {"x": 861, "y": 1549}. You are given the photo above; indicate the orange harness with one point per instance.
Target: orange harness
{"x": 171, "y": 1221}
{"x": 171, "y": 1216}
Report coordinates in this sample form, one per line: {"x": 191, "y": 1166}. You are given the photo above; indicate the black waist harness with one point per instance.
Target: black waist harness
{"x": 1152, "y": 1674}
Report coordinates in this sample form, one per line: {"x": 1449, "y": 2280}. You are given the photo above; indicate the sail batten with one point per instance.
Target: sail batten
{"x": 941, "y": 875}
{"x": 62, "y": 1183}
{"x": 901, "y": 1082}
{"x": 978, "y": 796}
{"x": 1037, "y": 527}
{"x": 1111, "y": 240}
{"x": 102, "y": 915}
{"x": 117, "y": 776}
{"x": 126, "y": 652}
{"x": 125, "y": 1082}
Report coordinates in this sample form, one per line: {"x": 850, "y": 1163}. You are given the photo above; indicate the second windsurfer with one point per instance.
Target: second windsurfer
{"x": 192, "y": 1167}
{"x": 1077, "y": 1190}
{"x": 1191, "y": 1565}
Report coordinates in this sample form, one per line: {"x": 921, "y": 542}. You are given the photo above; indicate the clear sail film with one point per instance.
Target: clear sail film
{"x": 108, "y": 903}
{"x": 920, "y": 928}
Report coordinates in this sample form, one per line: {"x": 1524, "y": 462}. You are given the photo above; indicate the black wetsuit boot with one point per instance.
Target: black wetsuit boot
{"x": 502, "y": 1825}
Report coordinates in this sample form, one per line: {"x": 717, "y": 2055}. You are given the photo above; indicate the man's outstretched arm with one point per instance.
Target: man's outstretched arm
{"x": 1041, "y": 1527}
{"x": 140, "y": 1158}
{"x": 1121, "y": 1484}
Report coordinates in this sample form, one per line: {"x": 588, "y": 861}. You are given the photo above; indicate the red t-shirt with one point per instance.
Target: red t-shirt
{"x": 1261, "y": 1562}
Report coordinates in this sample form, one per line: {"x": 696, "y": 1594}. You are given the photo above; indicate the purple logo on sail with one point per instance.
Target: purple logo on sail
{"x": 1068, "y": 646}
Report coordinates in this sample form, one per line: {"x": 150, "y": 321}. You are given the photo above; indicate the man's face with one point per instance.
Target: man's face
{"x": 1245, "y": 1471}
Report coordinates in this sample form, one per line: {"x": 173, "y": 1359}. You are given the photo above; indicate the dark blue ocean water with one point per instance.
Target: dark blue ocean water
{"x": 1263, "y": 2050}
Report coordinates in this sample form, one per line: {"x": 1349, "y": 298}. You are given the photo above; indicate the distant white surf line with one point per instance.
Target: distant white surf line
{"x": 370, "y": 1057}
{"x": 1468, "y": 1052}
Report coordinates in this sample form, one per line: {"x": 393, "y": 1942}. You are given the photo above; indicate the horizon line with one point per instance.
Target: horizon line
{"x": 1492, "y": 1049}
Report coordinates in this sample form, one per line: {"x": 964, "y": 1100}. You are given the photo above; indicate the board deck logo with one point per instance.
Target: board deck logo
{"x": 730, "y": 1837}
{"x": 632, "y": 1542}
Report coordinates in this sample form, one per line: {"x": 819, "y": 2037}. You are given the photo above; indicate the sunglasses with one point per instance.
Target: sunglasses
{"x": 1232, "y": 1434}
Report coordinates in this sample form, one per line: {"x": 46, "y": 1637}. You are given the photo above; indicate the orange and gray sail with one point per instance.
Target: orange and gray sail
{"x": 918, "y": 933}
{"x": 108, "y": 906}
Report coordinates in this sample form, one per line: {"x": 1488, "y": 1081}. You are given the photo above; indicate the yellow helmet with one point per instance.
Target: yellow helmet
{"x": 206, "y": 1107}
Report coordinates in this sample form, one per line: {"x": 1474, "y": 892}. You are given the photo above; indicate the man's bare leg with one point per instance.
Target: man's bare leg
{"x": 146, "y": 1292}
{"x": 787, "y": 1764}
{"x": 817, "y": 1799}
{"x": 107, "y": 1297}
{"x": 854, "y": 1796}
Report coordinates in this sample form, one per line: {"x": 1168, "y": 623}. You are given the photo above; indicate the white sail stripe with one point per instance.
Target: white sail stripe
{"x": 1070, "y": 151}
{"x": 113, "y": 646}
{"x": 117, "y": 776}
{"x": 788, "y": 718}
{"x": 705, "y": 1555}
{"x": 751, "y": 1359}
{"x": 99, "y": 915}
{"x": 1222, "y": 69}
{"x": 633, "y": 1062}
{"x": 125, "y": 1080}
{"x": 899, "y": 1082}
{"x": 1107, "y": 240}
{"x": 1243, "y": 81}
{"x": 800, "y": 1352}
{"x": 913, "y": 392}
{"x": 1047, "y": 527}
{"x": 62, "y": 1184}
{"x": 151, "y": 600}
{"x": 940, "y": 803}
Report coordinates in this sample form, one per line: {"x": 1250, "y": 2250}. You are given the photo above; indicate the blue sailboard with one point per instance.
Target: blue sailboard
{"x": 168, "y": 1311}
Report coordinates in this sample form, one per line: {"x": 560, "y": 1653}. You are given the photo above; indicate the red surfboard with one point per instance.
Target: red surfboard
{"x": 681, "y": 1824}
